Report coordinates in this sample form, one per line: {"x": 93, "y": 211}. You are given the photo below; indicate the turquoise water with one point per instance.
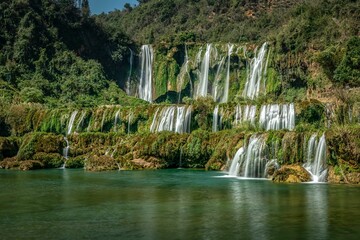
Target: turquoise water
{"x": 171, "y": 204}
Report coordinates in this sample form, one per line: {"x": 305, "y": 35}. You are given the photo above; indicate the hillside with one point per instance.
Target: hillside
{"x": 312, "y": 40}
{"x": 54, "y": 53}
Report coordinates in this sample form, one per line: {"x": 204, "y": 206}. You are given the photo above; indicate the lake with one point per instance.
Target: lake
{"x": 171, "y": 204}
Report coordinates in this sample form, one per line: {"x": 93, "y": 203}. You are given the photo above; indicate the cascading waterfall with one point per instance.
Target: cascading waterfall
{"x": 316, "y": 158}
{"x": 173, "y": 118}
{"x": 69, "y": 129}
{"x": 81, "y": 121}
{"x": 256, "y": 74}
{"x": 183, "y": 72}
{"x": 276, "y": 117}
{"x": 103, "y": 120}
{"x": 153, "y": 126}
{"x": 216, "y": 126}
{"x": 71, "y": 122}
{"x": 202, "y": 88}
{"x": 116, "y": 119}
{"x": 217, "y": 84}
{"x": 237, "y": 114}
{"x": 249, "y": 114}
{"x": 130, "y": 116}
{"x": 187, "y": 121}
{"x": 128, "y": 84}
{"x": 66, "y": 152}
{"x": 145, "y": 86}
{"x": 250, "y": 161}
{"x": 180, "y": 116}
{"x": 235, "y": 163}
{"x": 225, "y": 96}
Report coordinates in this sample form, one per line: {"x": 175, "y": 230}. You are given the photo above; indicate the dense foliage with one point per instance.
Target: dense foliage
{"x": 314, "y": 41}
{"x": 52, "y": 52}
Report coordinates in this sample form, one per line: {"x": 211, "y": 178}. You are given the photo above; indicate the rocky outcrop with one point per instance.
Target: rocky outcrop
{"x": 291, "y": 174}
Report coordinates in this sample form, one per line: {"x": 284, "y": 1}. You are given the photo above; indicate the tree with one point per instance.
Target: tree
{"x": 348, "y": 72}
{"x": 127, "y": 7}
{"x": 85, "y": 8}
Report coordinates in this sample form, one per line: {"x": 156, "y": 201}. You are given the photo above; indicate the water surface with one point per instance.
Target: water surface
{"x": 171, "y": 204}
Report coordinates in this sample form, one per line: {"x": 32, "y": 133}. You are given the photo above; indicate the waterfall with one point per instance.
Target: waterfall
{"x": 116, "y": 119}
{"x": 153, "y": 124}
{"x": 216, "y": 126}
{"x": 316, "y": 158}
{"x": 71, "y": 122}
{"x": 255, "y": 161}
{"x": 66, "y": 152}
{"x": 235, "y": 163}
{"x": 130, "y": 115}
{"x": 225, "y": 96}
{"x": 276, "y": 117}
{"x": 249, "y": 114}
{"x": 173, "y": 118}
{"x": 69, "y": 129}
{"x": 180, "y": 116}
{"x": 250, "y": 161}
{"x": 102, "y": 121}
{"x": 217, "y": 88}
{"x": 237, "y": 114}
{"x": 187, "y": 121}
{"x": 81, "y": 121}
{"x": 204, "y": 73}
{"x": 127, "y": 88}
{"x": 256, "y": 74}
{"x": 145, "y": 86}
{"x": 183, "y": 72}
{"x": 167, "y": 119}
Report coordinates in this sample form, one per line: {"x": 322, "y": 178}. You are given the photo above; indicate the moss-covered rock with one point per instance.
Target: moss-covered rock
{"x": 30, "y": 165}
{"x": 49, "y": 160}
{"x": 10, "y": 163}
{"x": 101, "y": 163}
{"x": 39, "y": 142}
{"x": 76, "y": 162}
{"x": 291, "y": 174}
{"x": 150, "y": 163}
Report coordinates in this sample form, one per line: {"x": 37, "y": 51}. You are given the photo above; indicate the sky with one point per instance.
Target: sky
{"x": 99, "y": 6}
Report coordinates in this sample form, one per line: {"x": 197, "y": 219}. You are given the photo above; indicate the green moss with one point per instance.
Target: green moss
{"x": 39, "y": 142}
{"x": 49, "y": 160}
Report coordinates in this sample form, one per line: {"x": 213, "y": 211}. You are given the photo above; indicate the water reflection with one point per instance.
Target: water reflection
{"x": 317, "y": 211}
{"x": 172, "y": 205}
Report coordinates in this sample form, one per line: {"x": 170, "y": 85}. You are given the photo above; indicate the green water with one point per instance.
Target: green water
{"x": 171, "y": 204}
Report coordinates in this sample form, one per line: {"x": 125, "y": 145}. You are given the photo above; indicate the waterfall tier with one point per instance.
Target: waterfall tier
{"x": 207, "y": 71}
{"x": 216, "y": 119}
{"x": 172, "y": 118}
{"x": 245, "y": 113}
{"x": 251, "y": 161}
{"x": 145, "y": 85}
{"x": 316, "y": 158}
{"x": 276, "y": 117}
{"x": 255, "y": 82}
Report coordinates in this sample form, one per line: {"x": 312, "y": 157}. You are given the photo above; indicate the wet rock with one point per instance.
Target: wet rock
{"x": 151, "y": 163}
{"x": 9, "y": 163}
{"x": 336, "y": 175}
{"x": 30, "y": 165}
{"x": 100, "y": 163}
{"x": 291, "y": 174}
